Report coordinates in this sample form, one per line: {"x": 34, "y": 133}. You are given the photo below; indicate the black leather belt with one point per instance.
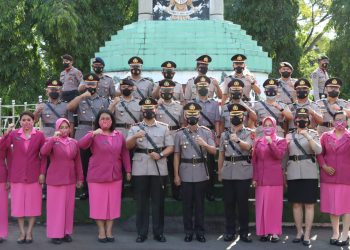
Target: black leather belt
{"x": 236, "y": 158}
{"x": 174, "y": 127}
{"x": 278, "y": 123}
{"x": 123, "y": 125}
{"x": 327, "y": 124}
{"x": 300, "y": 157}
{"x": 193, "y": 160}
{"x": 86, "y": 123}
{"x": 148, "y": 150}
{"x": 49, "y": 125}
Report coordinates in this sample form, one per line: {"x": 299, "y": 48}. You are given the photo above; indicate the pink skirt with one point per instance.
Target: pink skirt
{"x": 4, "y": 196}
{"x": 26, "y": 199}
{"x": 268, "y": 209}
{"x": 60, "y": 210}
{"x": 105, "y": 200}
{"x": 334, "y": 198}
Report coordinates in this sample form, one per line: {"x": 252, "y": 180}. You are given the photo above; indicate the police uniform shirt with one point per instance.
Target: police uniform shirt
{"x": 106, "y": 87}
{"x": 318, "y": 78}
{"x": 240, "y": 170}
{"x": 178, "y": 91}
{"x": 289, "y": 86}
{"x": 86, "y": 115}
{"x": 192, "y": 172}
{"x": 49, "y": 118}
{"x": 191, "y": 91}
{"x": 211, "y": 109}
{"x": 174, "y": 108}
{"x": 302, "y": 169}
{"x": 247, "y": 79}
{"x": 144, "y": 85}
{"x": 307, "y": 105}
{"x": 226, "y": 119}
{"x": 71, "y": 79}
{"x": 143, "y": 164}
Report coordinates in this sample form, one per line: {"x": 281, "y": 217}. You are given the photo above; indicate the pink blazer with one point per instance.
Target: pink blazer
{"x": 3, "y": 166}
{"x": 26, "y": 165}
{"x": 267, "y": 161}
{"x": 65, "y": 163}
{"x": 335, "y": 153}
{"x": 106, "y": 162}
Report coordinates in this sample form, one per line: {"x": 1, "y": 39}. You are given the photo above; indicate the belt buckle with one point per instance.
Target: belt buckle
{"x": 194, "y": 161}
{"x": 330, "y": 125}
{"x": 232, "y": 158}
{"x": 296, "y": 157}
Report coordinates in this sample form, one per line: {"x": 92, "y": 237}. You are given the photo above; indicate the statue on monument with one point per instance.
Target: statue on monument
{"x": 181, "y": 9}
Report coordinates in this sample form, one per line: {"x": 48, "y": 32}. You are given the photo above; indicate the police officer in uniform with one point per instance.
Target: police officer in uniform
{"x": 302, "y": 88}
{"x": 126, "y": 108}
{"x": 71, "y": 77}
{"x": 202, "y": 69}
{"x": 152, "y": 143}
{"x": 330, "y": 105}
{"x": 272, "y": 107}
{"x": 286, "y": 91}
{"x": 248, "y": 78}
{"x": 235, "y": 172}
{"x": 106, "y": 85}
{"x": 168, "y": 71}
{"x": 235, "y": 90}
{"x": 170, "y": 112}
{"x": 52, "y": 109}
{"x": 192, "y": 146}
{"x": 143, "y": 86}
{"x": 319, "y": 77}
{"x": 87, "y": 105}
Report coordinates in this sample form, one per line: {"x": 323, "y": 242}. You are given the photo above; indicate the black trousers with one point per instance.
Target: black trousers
{"x": 146, "y": 188}
{"x": 193, "y": 198}
{"x": 212, "y": 177}
{"x": 175, "y": 190}
{"x": 236, "y": 194}
{"x": 85, "y": 156}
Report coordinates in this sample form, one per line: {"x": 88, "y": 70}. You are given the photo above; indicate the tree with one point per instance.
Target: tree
{"x": 273, "y": 24}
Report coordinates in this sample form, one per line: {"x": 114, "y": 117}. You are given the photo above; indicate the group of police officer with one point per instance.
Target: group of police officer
{"x": 174, "y": 129}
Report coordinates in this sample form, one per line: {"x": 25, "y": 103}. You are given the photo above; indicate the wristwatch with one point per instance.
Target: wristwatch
{"x": 281, "y": 109}
{"x": 161, "y": 154}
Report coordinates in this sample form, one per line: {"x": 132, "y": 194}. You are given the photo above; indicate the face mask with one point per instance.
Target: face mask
{"x": 340, "y": 125}
{"x": 301, "y": 94}
{"x": 66, "y": 65}
{"x": 192, "y": 120}
{"x": 126, "y": 92}
{"x": 324, "y": 65}
{"x": 203, "y": 70}
{"x": 149, "y": 114}
{"x": 27, "y": 125}
{"x": 166, "y": 96}
{"x": 98, "y": 70}
{"x": 333, "y": 93}
{"x": 268, "y": 131}
{"x": 54, "y": 95}
{"x": 236, "y": 95}
{"x": 203, "y": 91}
{"x": 105, "y": 124}
{"x": 239, "y": 69}
{"x": 302, "y": 123}
{"x": 135, "y": 71}
{"x": 236, "y": 121}
{"x": 91, "y": 90}
{"x": 285, "y": 74}
{"x": 270, "y": 92}
{"x": 168, "y": 74}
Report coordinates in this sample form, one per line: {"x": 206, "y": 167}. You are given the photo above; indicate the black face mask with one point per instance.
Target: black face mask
{"x": 203, "y": 91}
{"x": 333, "y": 93}
{"x": 98, "y": 70}
{"x": 54, "y": 95}
{"x": 135, "y": 71}
{"x": 270, "y": 92}
{"x": 166, "y": 96}
{"x": 236, "y": 95}
{"x": 91, "y": 90}
{"x": 126, "y": 92}
{"x": 236, "y": 121}
{"x": 239, "y": 69}
{"x": 302, "y": 123}
{"x": 285, "y": 74}
{"x": 66, "y": 65}
{"x": 301, "y": 94}
{"x": 168, "y": 74}
{"x": 192, "y": 120}
{"x": 149, "y": 114}
{"x": 324, "y": 65}
{"x": 202, "y": 69}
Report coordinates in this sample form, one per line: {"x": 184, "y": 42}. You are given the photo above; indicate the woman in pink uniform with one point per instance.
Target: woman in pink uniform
{"x": 26, "y": 173}
{"x": 109, "y": 156}
{"x": 268, "y": 152}
{"x": 64, "y": 173}
{"x": 335, "y": 177}
{"x": 4, "y": 186}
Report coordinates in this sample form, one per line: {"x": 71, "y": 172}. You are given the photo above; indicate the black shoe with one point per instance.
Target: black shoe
{"x": 188, "y": 237}
{"x": 333, "y": 242}
{"x": 200, "y": 238}
{"x": 298, "y": 240}
{"x": 160, "y": 238}
{"x": 110, "y": 239}
{"x": 275, "y": 239}
{"x": 229, "y": 237}
{"x": 210, "y": 197}
{"x": 21, "y": 241}
{"x": 84, "y": 196}
{"x": 140, "y": 238}
{"x": 245, "y": 238}
{"x": 307, "y": 242}
{"x": 264, "y": 238}
{"x": 67, "y": 238}
{"x": 102, "y": 240}
{"x": 343, "y": 243}
{"x": 56, "y": 241}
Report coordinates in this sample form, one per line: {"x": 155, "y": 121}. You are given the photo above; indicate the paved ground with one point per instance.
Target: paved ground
{"x": 85, "y": 238}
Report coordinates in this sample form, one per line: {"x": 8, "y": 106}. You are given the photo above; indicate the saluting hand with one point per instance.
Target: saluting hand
{"x": 200, "y": 141}
{"x": 140, "y": 134}
{"x": 177, "y": 180}
{"x": 329, "y": 170}
{"x": 97, "y": 131}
